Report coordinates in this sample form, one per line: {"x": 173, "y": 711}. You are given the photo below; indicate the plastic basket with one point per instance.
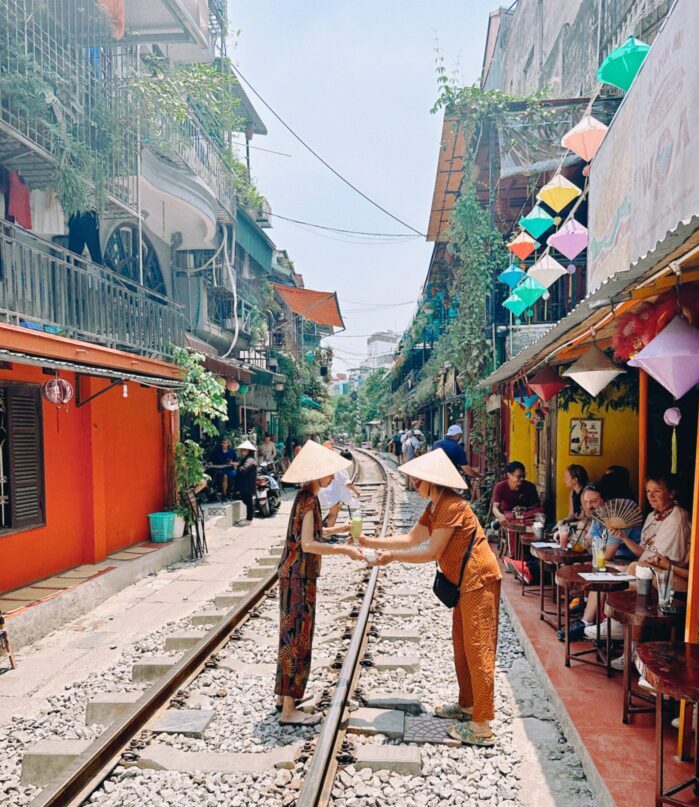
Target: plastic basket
{"x": 162, "y": 526}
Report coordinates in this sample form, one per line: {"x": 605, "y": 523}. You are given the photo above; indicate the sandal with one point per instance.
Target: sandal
{"x": 451, "y": 711}
{"x": 469, "y": 737}
{"x": 306, "y": 720}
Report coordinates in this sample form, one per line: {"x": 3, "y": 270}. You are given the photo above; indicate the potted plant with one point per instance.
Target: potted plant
{"x": 189, "y": 472}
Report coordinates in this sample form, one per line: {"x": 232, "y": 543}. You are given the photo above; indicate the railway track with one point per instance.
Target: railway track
{"x": 120, "y": 743}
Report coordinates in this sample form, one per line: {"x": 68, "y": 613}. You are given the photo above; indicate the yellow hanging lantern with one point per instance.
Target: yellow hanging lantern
{"x": 558, "y": 193}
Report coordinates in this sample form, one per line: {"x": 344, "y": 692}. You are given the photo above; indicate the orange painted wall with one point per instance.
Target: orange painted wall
{"x": 104, "y": 472}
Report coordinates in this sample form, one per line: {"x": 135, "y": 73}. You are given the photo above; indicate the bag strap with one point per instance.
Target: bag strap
{"x": 466, "y": 557}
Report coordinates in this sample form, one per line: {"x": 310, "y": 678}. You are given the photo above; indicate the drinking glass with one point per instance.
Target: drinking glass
{"x": 356, "y": 526}
{"x": 665, "y": 592}
{"x": 563, "y": 533}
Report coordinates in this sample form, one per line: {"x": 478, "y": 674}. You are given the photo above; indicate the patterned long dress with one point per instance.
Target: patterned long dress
{"x": 298, "y": 571}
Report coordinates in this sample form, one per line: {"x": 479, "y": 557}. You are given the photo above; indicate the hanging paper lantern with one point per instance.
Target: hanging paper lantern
{"x": 232, "y": 385}
{"x": 622, "y": 65}
{"x": 243, "y": 389}
{"x": 585, "y": 138}
{"x": 547, "y": 271}
{"x": 546, "y": 383}
{"x": 530, "y": 290}
{"x": 523, "y": 246}
{"x": 558, "y": 193}
{"x": 511, "y": 276}
{"x": 169, "y": 402}
{"x": 536, "y": 222}
{"x": 546, "y": 296}
{"x": 570, "y": 268}
{"x": 570, "y": 240}
{"x": 515, "y": 304}
{"x": 57, "y": 391}
{"x": 593, "y": 371}
{"x": 524, "y": 396}
{"x": 672, "y": 418}
{"x": 530, "y": 313}
{"x": 672, "y": 358}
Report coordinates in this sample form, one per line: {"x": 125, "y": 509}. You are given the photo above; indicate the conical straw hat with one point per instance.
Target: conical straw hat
{"x": 435, "y": 467}
{"x": 314, "y": 461}
{"x": 246, "y": 444}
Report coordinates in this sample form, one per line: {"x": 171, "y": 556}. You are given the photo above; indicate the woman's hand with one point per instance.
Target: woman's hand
{"x": 383, "y": 559}
{"x": 656, "y": 562}
{"x": 353, "y": 552}
{"x": 341, "y": 529}
{"x": 369, "y": 543}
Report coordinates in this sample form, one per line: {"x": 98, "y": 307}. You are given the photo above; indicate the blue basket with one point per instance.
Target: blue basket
{"x": 162, "y": 526}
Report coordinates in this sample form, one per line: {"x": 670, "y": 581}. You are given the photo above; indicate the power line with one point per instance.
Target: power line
{"x": 340, "y": 230}
{"x": 325, "y": 163}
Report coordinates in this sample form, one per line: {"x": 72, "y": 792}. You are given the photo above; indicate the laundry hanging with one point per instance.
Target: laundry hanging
{"x": 114, "y": 10}
{"x": 84, "y": 230}
{"x": 18, "y": 207}
{"x": 47, "y": 214}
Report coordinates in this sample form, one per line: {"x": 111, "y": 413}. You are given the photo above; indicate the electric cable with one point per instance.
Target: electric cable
{"x": 341, "y": 230}
{"x": 325, "y": 162}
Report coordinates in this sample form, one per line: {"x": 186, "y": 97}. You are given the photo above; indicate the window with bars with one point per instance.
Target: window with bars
{"x": 22, "y": 504}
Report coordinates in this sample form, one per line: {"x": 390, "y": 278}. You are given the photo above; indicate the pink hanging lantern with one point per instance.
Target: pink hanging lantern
{"x": 546, "y": 384}
{"x": 672, "y": 358}
{"x": 232, "y": 385}
{"x": 58, "y": 391}
{"x": 585, "y": 138}
{"x": 570, "y": 240}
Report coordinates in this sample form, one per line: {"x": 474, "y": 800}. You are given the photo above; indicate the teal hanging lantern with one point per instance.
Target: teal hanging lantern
{"x": 622, "y": 65}
{"x": 530, "y": 290}
{"x": 536, "y": 222}
{"x": 511, "y": 276}
{"x": 515, "y": 304}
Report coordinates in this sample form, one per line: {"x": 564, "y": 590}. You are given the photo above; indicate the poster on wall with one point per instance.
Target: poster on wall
{"x": 585, "y": 438}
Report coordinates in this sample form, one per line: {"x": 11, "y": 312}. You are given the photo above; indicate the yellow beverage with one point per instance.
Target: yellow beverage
{"x": 356, "y": 526}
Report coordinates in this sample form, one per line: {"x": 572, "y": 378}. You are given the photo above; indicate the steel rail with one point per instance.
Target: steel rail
{"x": 84, "y": 775}
{"x": 316, "y": 787}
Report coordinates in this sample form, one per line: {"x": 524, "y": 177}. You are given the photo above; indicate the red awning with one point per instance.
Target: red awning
{"x": 321, "y": 307}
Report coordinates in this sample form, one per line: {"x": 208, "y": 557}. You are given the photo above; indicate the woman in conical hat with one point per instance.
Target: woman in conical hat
{"x": 453, "y": 530}
{"x": 299, "y": 567}
{"x": 246, "y": 477}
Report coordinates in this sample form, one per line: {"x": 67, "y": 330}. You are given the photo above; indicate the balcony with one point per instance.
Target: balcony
{"x": 45, "y": 285}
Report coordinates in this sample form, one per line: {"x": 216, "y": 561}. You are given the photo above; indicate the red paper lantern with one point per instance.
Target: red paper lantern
{"x": 232, "y": 385}
{"x": 546, "y": 383}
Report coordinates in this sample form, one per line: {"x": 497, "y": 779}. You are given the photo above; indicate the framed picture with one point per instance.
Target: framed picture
{"x": 585, "y": 438}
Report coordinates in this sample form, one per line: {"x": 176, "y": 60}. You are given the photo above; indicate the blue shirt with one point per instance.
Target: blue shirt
{"x": 623, "y": 553}
{"x": 454, "y": 450}
{"x": 221, "y": 457}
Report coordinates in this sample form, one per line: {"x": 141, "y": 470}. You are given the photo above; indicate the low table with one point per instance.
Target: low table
{"x": 555, "y": 557}
{"x": 672, "y": 669}
{"x": 634, "y": 611}
{"x": 567, "y": 578}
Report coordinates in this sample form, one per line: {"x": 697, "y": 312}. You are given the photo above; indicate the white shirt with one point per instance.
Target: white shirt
{"x": 268, "y": 451}
{"x": 336, "y": 491}
{"x": 668, "y": 537}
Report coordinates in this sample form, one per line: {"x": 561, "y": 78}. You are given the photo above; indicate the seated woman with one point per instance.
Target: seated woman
{"x": 574, "y": 478}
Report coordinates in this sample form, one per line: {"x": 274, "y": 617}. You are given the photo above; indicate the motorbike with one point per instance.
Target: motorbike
{"x": 268, "y": 496}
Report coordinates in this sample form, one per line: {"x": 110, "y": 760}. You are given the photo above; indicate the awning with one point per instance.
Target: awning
{"x": 321, "y": 307}
{"x": 226, "y": 368}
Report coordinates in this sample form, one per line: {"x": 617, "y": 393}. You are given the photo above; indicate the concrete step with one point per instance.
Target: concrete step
{"x": 244, "y": 585}
{"x": 185, "y": 640}
{"x": 257, "y": 572}
{"x": 399, "y": 636}
{"x": 226, "y": 601}
{"x": 106, "y": 708}
{"x": 401, "y": 759}
{"x": 165, "y": 758}
{"x": 403, "y": 613}
{"x": 268, "y": 561}
{"x": 189, "y": 722}
{"x": 389, "y": 722}
{"x": 207, "y": 617}
{"x": 49, "y": 758}
{"x": 402, "y": 701}
{"x": 150, "y": 668}
{"x": 407, "y": 663}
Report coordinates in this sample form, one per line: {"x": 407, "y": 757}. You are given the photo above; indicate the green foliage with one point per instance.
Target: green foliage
{"x": 373, "y": 397}
{"x": 202, "y": 396}
{"x": 346, "y": 418}
{"x": 189, "y": 465}
{"x": 622, "y": 393}
{"x": 314, "y": 423}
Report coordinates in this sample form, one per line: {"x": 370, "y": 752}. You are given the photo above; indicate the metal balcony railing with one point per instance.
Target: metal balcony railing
{"x": 44, "y": 284}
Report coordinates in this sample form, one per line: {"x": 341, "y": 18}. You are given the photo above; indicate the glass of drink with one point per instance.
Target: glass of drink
{"x": 600, "y": 561}
{"x": 356, "y": 526}
{"x": 563, "y": 533}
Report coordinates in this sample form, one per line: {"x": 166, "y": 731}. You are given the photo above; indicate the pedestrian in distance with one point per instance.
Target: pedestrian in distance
{"x": 246, "y": 477}
{"x": 314, "y": 469}
{"x": 452, "y": 447}
{"x": 458, "y": 545}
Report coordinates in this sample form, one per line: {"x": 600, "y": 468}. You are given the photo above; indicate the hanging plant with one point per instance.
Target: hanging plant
{"x": 202, "y": 396}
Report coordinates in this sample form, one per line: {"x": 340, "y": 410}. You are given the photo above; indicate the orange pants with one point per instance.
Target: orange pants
{"x": 474, "y": 633}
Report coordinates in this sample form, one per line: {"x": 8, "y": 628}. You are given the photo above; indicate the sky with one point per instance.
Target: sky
{"x": 356, "y": 80}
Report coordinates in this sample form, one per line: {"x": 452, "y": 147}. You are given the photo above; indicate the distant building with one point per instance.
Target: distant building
{"x": 380, "y": 348}
{"x": 358, "y": 375}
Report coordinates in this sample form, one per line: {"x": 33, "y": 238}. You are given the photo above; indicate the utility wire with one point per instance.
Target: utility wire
{"x": 340, "y": 230}
{"x": 325, "y": 163}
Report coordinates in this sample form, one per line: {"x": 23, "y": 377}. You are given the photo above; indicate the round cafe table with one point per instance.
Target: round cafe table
{"x": 567, "y": 579}
{"x": 635, "y": 611}
{"x": 554, "y": 557}
{"x": 672, "y": 669}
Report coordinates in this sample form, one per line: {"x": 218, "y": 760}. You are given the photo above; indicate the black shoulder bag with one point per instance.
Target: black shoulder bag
{"x": 446, "y": 591}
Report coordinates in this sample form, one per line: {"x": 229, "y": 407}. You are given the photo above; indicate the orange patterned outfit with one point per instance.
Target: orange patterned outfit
{"x": 475, "y": 619}
{"x": 298, "y": 571}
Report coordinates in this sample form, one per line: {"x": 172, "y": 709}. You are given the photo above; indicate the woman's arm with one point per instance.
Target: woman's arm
{"x": 415, "y": 537}
{"x": 338, "y": 529}
{"x": 309, "y": 543}
{"x": 438, "y": 543}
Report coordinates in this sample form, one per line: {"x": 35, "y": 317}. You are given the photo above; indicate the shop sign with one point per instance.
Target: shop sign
{"x": 643, "y": 181}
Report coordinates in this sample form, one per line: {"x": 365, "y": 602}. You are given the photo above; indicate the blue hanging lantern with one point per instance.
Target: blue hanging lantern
{"x": 511, "y": 276}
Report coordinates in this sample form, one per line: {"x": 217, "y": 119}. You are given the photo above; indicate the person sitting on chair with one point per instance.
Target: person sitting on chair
{"x": 226, "y": 460}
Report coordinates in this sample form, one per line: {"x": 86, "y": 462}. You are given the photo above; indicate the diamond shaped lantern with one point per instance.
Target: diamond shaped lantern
{"x": 515, "y": 304}
{"x": 593, "y": 371}
{"x": 524, "y": 396}
{"x": 622, "y": 65}
{"x": 570, "y": 240}
{"x": 512, "y": 275}
{"x": 530, "y": 290}
{"x": 585, "y": 138}
{"x": 546, "y": 383}
{"x": 672, "y": 358}
{"x": 536, "y": 222}
{"x": 523, "y": 246}
{"x": 558, "y": 193}
{"x": 547, "y": 271}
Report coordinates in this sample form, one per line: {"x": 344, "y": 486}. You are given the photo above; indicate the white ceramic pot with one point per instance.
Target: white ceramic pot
{"x": 180, "y": 524}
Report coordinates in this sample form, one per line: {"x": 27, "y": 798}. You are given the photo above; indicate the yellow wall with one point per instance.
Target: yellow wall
{"x": 522, "y": 440}
{"x": 619, "y": 447}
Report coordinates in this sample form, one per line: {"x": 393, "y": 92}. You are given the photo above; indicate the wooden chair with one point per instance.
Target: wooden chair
{"x": 196, "y": 522}
{"x": 5, "y": 644}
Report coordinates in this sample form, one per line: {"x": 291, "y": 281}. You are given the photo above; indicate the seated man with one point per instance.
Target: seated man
{"x": 225, "y": 460}
{"x": 515, "y": 493}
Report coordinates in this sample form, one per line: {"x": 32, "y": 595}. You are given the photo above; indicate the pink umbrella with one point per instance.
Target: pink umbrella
{"x": 570, "y": 240}
{"x": 672, "y": 358}
{"x": 585, "y": 138}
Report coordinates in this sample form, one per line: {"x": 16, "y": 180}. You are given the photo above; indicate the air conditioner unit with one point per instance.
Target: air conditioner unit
{"x": 262, "y": 215}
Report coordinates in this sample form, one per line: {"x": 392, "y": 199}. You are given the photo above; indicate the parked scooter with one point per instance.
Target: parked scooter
{"x": 268, "y": 497}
